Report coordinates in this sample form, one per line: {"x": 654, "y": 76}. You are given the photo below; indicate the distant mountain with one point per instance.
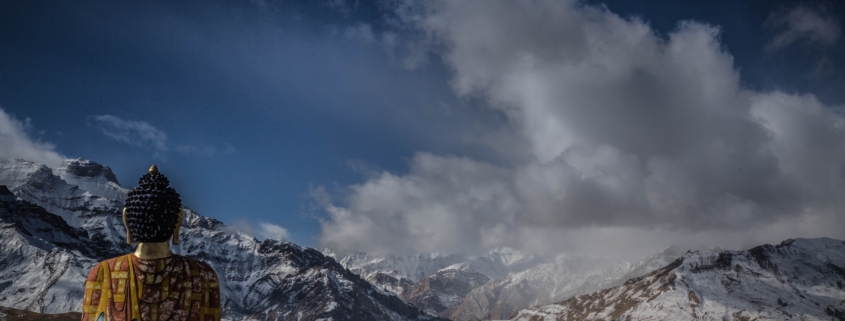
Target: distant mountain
{"x": 497, "y": 284}
{"x": 443, "y": 290}
{"x": 436, "y": 282}
{"x": 802, "y": 279}
{"x": 396, "y": 273}
{"x": 56, "y": 224}
{"x": 566, "y": 276}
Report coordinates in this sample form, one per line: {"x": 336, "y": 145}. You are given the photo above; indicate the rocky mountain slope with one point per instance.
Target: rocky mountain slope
{"x": 801, "y": 279}
{"x": 56, "y": 224}
{"x": 564, "y": 277}
{"x": 396, "y": 273}
{"x": 9, "y": 314}
{"x": 435, "y": 282}
{"x": 497, "y": 284}
{"x": 443, "y": 290}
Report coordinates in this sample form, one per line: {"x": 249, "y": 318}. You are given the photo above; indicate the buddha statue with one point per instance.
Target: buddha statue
{"x": 152, "y": 284}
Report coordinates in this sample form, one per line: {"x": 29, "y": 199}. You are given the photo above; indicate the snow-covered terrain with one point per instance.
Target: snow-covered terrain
{"x": 802, "y": 279}
{"x": 404, "y": 271}
{"x": 497, "y": 284}
{"x": 564, "y": 277}
{"x": 436, "y": 282}
{"x": 56, "y": 224}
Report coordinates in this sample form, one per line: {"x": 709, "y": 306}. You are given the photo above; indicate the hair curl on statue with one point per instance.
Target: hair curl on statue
{"x": 152, "y": 209}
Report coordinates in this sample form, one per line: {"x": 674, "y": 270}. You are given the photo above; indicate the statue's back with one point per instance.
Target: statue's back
{"x": 152, "y": 284}
{"x": 174, "y": 288}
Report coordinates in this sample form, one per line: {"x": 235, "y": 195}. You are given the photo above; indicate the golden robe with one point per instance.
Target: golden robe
{"x": 174, "y": 288}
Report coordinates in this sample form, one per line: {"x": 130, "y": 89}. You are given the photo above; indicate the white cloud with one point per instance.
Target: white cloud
{"x": 803, "y": 23}
{"x": 133, "y": 132}
{"x": 15, "y": 143}
{"x": 142, "y": 134}
{"x": 272, "y": 231}
{"x": 631, "y": 135}
{"x": 263, "y": 231}
{"x": 444, "y": 202}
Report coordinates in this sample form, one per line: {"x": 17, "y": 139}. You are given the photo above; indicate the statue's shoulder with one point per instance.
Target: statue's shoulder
{"x": 204, "y": 270}
{"x": 119, "y": 263}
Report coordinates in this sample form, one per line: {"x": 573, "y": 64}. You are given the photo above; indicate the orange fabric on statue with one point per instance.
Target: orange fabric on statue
{"x": 174, "y": 288}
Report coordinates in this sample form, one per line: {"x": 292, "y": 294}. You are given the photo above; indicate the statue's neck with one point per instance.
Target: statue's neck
{"x": 152, "y": 251}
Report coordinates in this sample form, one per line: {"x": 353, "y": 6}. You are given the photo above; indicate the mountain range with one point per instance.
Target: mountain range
{"x": 55, "y": 224}
{"x": 801, "y": 279}
{"x": 495, "y": 285}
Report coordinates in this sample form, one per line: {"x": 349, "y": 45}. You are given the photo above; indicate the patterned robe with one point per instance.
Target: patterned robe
{"x": 174, "y": 288}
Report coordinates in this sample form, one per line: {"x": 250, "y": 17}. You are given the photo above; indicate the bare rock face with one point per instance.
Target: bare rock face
{"x": 52, "y": 232}
{"x": 801, "y": 279}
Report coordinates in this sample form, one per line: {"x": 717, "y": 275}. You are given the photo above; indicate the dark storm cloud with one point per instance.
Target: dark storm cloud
{"x": 630, "y": 135}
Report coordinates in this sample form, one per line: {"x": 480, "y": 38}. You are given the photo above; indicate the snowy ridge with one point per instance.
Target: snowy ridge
{"x": 497, "y": 284}
{"x": 495, "y": 264}
{"x": 91, "y": 177}
{"x": 42, "y": 257}
{"x": 53, "y": 231}
{"x": 396, "y": 274}
{"x": 36, "y": 183}
{"x": 801, "y": 279}
{"x": 443, "y": 290}
{"x": 435, "y": 282}
{"x": 565, "y": 276}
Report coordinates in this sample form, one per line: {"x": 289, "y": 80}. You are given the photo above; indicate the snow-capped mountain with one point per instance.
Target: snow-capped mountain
{"x": 97, "y": 215}
{"x": 497, "y": 284}
{"x": 443, "y": 290}
{"x": 436, "y": 282}
{"x": 91, "y": 177}
{"x": 42, "y": 258}
{"x": 802, "y": 279}
{"x": 397, "y": 273}
{"x": 53, "y": 230}
{"x": 565, "y": 276}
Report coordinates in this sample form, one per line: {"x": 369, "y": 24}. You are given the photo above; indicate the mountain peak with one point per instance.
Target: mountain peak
{"x": 82, "y": 168}
{"x": 797, "y": 279}
{"x": 66, "y": 220}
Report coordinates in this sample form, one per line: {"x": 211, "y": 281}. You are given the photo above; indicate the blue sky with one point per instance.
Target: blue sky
{"x": 307, "y": 115}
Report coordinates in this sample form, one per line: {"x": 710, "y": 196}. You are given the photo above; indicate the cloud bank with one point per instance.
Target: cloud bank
{"x": 16, "y": 143}
{"x": 634, "y": 141}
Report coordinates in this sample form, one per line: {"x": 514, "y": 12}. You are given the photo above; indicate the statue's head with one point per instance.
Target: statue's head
{"x": 153, "y": 210}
